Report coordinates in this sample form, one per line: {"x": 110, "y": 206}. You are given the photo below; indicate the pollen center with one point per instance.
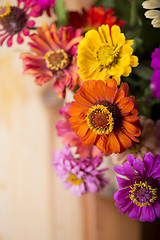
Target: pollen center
{"x": 57, "y": 60}
{"x": 142, "y": 194}
{"x": 100, "y": 119}
{"x": 106, "y": 55}
{"x": 4, "y": 11}
{"x": 74, "y": 180}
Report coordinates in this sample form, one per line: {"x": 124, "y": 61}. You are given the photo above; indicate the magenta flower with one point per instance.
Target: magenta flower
{"x": 70, "y": 138}
{"x": 155, "y": 80}
{"x": 80, "y": 175}
{"x": 15, "y": 20}
{"x": 139, "y": 193}
{"x": 43, "y": 5}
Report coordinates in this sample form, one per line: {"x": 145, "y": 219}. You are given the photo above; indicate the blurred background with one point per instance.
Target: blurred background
{"x": 33, "y": 203}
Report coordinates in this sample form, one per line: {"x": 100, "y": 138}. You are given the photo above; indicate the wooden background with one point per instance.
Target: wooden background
{"x": 33, "y": 203}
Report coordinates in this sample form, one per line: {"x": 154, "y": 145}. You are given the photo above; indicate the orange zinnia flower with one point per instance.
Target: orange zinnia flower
{"x": 103, "y": 115}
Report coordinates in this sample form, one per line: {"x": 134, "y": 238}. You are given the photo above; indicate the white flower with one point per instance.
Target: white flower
{"x": 153, "y": 14}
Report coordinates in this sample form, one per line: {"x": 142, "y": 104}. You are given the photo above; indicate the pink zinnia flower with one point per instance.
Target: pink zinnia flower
{"x": 70, "y": 138}
{"x": 43, "y": 5}
{"x": 80, "y": 175}
{"x": 16, "y": 20}
{"x": 54, "y": 57}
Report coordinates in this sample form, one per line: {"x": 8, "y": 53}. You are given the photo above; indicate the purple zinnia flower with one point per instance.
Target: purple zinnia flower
{"x": 16, "y": 20}
{"x": 155, "y": 80}
{"x": 139, "y": 193}
{"x": 80, "y": 175}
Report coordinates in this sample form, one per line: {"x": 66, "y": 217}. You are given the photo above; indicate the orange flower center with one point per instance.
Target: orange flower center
{"x": 74, "y": 180}
{"x": 100, "y": 119}
{"x": 57, "y": 60}
{"x": 4, "y": 11}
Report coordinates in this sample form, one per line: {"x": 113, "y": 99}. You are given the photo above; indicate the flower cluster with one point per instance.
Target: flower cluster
{"x": 115, "y": 93}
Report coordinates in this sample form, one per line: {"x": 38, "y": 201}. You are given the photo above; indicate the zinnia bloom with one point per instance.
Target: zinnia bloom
{"x": 15, "y": 20}
{"x": 54, "y": 57}
{"x": 43, "y": 5}
{"x": 93, "y": 18}
{"x": 153, "y": 14}
{"x": 147, "y": 142}
{"x": 70, "y": 138}
{"x": 80, "y": 175}
{"x": 139, "y": 193}
{"x": 105, "y": 53}
{"x": 105, "y": 116}
{"x": 155, "y": 80}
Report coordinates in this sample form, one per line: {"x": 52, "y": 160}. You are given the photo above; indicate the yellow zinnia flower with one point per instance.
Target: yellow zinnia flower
{"x": 105, "y": 53}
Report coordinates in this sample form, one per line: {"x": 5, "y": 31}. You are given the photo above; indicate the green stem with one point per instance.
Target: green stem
{"x": 133, "y": 13}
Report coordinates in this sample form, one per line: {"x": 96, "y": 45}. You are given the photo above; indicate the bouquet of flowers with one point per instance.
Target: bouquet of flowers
{"x": 108, "y": 58}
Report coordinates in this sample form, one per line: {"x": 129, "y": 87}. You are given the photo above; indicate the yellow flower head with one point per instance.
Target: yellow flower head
{"x": 105, "y": 53}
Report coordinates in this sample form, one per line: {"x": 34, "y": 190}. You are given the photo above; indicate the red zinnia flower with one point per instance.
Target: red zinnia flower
{"x": 54, "y": 57}
{"x": 93, "y": 18}
{"x": 105, "y": 116}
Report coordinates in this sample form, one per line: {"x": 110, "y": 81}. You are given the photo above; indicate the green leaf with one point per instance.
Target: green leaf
{"x": 61, "y": 13}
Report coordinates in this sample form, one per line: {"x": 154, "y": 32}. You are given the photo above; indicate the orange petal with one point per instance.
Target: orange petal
{"x": 100, "y": 88}
{"x": 127, "y": 108}
{"x": 125, "y": 87}
{"x": 82, "y": 100}
{"x": 129, "y": 127}
{"x": 102, "y": 144}
{"x": 131, "y": 118}
{"x": 112, "y": 83}
{"x": 124, "y": 140}
{"x": 130, "y": 135}
{"x": 119, "y": 95}
{"x": 113, "y": 143}
{"x": 83, "y": 128}
{"x": 110, "y": 94}
{"x": 89, "y": 139}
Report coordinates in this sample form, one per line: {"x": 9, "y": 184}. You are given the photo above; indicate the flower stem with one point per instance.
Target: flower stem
{"x": 133, "y": 14}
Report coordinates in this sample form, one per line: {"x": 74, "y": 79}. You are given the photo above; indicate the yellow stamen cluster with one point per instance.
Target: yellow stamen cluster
{"x": 56, "y": 60}
{"x": 100, "y": 120}
{"x": 74, "y": 180}
{"x": 107, "y": 55}
{"x": 143, "y": 185}
{"x": 7, "y": 10}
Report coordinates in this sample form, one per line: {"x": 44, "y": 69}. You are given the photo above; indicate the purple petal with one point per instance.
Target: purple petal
{"x": 147, "y": 214}
{"x": 124, "y": 182}
{"x": 121, "y": 194}
{"x": 148, "y": 162}
{"x": 135, "y": 212}
{"x": 125, "y": 170}
{"x": 157, "y": 208}
{"x": 156, "y": 167}
{"x": 126, "y": 206}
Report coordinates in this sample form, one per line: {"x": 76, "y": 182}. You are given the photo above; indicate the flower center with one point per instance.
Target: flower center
{"x": 142, "y": 194}
{"x": 4, "y": 11}
{"x": 107, "y": 55}
{"x": 13, "y": 19}
{"x": 74, "y": 180}
{"x": 100, "y": 119}
{"x": 57, "y": 60}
